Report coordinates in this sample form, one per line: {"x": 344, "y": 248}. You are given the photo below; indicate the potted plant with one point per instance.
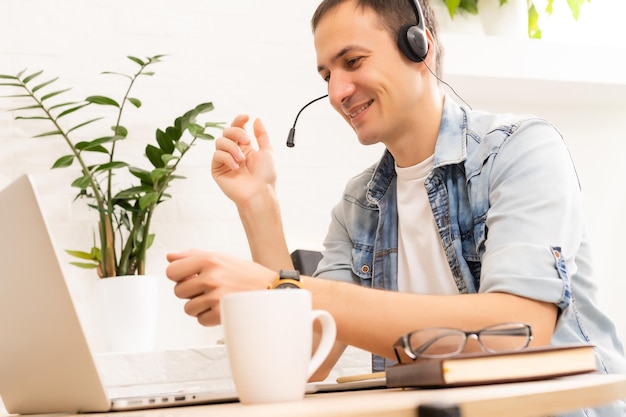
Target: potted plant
{"x": 124, "y": 212}
{"x": 534, "y": 31}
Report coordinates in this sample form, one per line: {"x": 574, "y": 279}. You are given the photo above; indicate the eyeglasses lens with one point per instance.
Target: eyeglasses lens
{"x": 437, "y": 342}
{"x": 509, "y": 336}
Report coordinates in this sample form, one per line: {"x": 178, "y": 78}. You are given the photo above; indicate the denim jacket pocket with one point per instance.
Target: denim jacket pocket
{"x": 362, "y": 261}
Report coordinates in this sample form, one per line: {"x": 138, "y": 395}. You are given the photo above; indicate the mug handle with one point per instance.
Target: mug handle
{"x": 327, "y": 341}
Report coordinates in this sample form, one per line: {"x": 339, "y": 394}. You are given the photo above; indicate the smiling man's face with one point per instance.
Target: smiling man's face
{"x": 370, "y": 83}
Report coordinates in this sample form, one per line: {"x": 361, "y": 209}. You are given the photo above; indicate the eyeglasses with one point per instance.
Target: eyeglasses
{"x": 443, "y": 342}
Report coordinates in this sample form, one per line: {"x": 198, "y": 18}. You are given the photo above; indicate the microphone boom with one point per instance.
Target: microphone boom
{"x": 292, "y": 131}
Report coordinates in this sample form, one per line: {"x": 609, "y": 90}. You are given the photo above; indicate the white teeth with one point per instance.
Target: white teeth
{"x": 353, "y": 115}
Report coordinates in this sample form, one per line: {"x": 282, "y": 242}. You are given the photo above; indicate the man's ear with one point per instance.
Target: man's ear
{"x": 431, "y": 57}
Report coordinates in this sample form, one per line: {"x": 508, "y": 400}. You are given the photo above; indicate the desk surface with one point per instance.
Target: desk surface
{"x": 526, "y": 399}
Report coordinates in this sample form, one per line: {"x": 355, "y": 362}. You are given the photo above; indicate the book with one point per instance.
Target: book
{"x": 490, "y": 368}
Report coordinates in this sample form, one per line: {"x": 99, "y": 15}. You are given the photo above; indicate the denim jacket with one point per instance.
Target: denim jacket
{"x": 508, "y": 207}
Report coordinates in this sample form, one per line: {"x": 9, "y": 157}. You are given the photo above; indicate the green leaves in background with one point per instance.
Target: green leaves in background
{"x": 124, "y": 215}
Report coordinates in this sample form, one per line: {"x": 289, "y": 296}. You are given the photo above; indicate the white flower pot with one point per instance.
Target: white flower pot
{"x": 127, "y": 312}
{"x": 462, "y": 22}
{"x": 509, "y": 20}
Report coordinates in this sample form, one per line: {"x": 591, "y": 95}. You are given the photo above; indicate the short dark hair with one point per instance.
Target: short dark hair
{"x": 394, "y": 14}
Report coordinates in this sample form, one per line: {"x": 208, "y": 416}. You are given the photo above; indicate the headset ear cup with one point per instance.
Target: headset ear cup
{"x": 413, "y": 43}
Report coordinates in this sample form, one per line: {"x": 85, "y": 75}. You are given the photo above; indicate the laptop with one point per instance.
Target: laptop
{"x": 46, "y": 364}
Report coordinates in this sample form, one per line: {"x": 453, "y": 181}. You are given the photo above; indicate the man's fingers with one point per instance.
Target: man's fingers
{"x": 228, "y": 153}
{"x": 240, "y": 121}
{"x": 261, "y": 135}
{"x": 182, "y": 266}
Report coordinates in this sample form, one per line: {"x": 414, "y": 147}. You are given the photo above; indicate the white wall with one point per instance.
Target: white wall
{"x": 238, "y": 54}
{"x": 246, "y": 57}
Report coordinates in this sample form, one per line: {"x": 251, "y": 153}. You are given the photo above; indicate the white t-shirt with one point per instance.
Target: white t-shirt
{"x": 422, "y": 264}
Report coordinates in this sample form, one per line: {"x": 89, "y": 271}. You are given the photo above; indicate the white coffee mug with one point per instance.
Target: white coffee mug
{"x": 269, "y": 338}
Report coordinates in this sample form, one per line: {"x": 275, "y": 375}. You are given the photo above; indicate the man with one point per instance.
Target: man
{"x": 468, "y": 220}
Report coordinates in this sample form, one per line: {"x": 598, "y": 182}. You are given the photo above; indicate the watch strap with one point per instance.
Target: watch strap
{"x": 287, "y": 278}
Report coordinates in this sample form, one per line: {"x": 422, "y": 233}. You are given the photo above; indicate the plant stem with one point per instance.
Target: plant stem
{"x": 95, "y": 186}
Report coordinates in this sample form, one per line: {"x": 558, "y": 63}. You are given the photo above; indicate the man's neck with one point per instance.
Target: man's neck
{"x": 418, "y": 141}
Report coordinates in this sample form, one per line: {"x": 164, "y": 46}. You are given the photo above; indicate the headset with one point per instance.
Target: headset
{"x": 412, "y": 39}
{"x": 413, "y": 44}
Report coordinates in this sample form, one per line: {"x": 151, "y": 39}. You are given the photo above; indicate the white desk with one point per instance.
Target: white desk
{"x": 528, "y": 399}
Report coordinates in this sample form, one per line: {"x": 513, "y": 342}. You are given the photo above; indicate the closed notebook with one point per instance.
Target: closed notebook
{"x": 490, "y": 368}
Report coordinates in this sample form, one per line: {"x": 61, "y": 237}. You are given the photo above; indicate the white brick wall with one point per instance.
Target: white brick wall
{"x": 244, "y": 56}
{"x": 238, "y": 54}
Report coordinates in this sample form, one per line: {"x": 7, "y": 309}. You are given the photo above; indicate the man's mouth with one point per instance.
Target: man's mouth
{"x": 360, "y": 109}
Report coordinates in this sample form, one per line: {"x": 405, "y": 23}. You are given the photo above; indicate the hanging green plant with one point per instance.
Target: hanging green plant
{"x": 534, "y": 30}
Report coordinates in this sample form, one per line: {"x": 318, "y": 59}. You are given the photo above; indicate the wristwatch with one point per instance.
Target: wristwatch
{"x": 287, "y": 279}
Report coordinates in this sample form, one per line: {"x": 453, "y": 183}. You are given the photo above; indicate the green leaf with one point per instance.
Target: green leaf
{"x": 136, "y": 60}
{"x": 154, "y": 156}
{"x": 58, "y": 106}
{"x": 134, "y": 101}
{"x": 142, "y": 174}
{"x": 164, "y": 141}
{"x": 32, "y": 118}
{"x": 34, "y": 106}
{"x": 122, "y": 203}
{"x": 31, "y": 77}
{"x": 182, "y": 146}
{"x": 470, "y": 6}
{"x": 452, "y": 6}
{"x": 169, "y": 157}
{"x": 90, "y": 145}
{"x": 205, "y": 107}
{"x": 120, "y": 131}
{"x": 51, "y": 133}
{"x": 117, "y": 73}
{"x": 102, "y": 100}
{"x": 216, "y": 125}
{"x": 83, "y": 255}
{"x": 150, "y": 240}
{"x": 85, "y": 265}
{"x": 16, "y": 95}
{"x": 133, "y": 192}
{"x": 8, "y": 77}
{"x": 174, "y": 133}
{"x": 157, "y": 58}
{"x": 99, "y": 149}
{"x": 205, "y": 136}
{"x": 574, "y": 6}
{"x": 147, "y": 200}
{"x": 53, "y": 94}
{"x": 159, "y": 173}
{"x": 64, "y": 161}
{"x": 84, "y": 124}
{"x": 82, "y": 182}
{"x": 111, "y": 165}
{"x": 534, "y": 32}
{"x": 181, "y": 122}
{"x": 42, "y": 85}
{"x": 195, "y": 129}
{"x": 70, "y": 111}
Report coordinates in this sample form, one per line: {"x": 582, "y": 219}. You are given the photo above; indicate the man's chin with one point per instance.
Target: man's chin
{"x": 367, "y": 140}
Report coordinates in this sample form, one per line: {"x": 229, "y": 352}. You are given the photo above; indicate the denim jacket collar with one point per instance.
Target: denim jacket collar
{"x": 451, "y": 145}
{"x": 449, "y": 149}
